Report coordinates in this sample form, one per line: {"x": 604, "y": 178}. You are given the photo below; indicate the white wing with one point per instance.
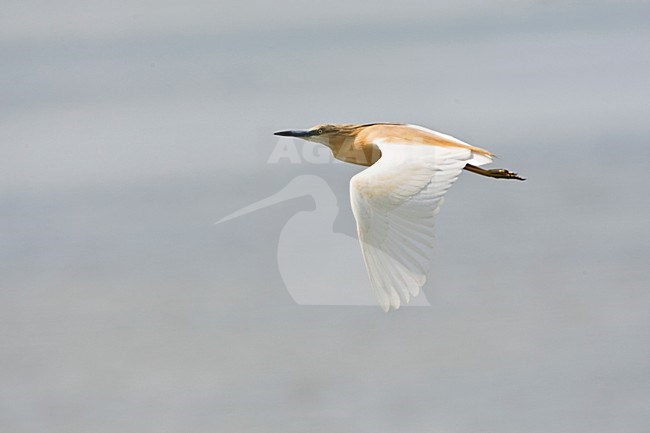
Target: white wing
{"x": 394, "y": 202}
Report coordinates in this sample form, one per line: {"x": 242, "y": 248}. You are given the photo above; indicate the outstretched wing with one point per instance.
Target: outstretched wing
{"x": 394, "y": 202}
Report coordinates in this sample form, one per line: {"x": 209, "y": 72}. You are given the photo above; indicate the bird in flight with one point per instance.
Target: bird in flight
{"x": 395, "y": 199}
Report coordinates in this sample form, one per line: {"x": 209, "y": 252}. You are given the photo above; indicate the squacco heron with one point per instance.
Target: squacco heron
{"x": 395, "y": 200}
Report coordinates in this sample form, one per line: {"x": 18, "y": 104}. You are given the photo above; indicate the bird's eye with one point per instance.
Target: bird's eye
{"x": 320, "y": 131}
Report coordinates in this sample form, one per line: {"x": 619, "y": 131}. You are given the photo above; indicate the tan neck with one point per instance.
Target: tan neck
{"x": 348, "y": 148}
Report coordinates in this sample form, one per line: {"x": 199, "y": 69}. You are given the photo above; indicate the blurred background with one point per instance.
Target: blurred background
{"x": 127, "y": 128}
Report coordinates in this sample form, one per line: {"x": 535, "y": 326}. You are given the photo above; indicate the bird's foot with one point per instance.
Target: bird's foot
{"x": 500, "y": 173}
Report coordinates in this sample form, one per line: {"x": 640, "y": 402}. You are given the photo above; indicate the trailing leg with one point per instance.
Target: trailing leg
{"x": 497, "y": 173}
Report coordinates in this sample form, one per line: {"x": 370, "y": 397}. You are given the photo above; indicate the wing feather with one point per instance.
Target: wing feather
{"x": 394, "y": 202}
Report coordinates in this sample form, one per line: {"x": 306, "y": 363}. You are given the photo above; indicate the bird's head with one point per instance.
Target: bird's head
{"x": 324, "y": 133}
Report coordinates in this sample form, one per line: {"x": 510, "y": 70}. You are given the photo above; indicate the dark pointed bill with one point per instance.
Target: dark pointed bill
{"x": 294, "y": 133}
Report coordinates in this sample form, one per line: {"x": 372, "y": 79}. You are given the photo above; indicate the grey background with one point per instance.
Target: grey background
{"x": 128, "y": 127}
